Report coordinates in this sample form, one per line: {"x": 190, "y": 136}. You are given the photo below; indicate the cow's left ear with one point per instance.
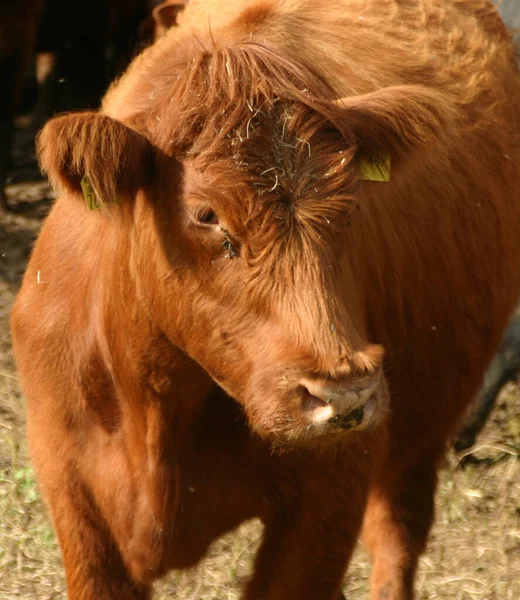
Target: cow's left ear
{"x": 395, "y": 120}
{"x": 95, "y": 150}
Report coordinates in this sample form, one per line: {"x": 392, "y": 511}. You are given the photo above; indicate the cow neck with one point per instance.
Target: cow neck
{"x": 147, "y": 370}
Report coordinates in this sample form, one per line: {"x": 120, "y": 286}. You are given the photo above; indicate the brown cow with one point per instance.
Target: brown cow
{"x": 281, "y": 189}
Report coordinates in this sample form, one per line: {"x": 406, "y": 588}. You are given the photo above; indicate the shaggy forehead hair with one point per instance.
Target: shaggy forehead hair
{"x": 248, "y": 110}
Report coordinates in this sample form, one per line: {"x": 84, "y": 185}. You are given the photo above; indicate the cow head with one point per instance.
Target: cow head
{"x": 240, "y": 240}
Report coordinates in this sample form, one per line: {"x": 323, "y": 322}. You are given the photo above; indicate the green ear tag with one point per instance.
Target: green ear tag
{"x": 375, "y": 168}
{"x": 88, "y": 193}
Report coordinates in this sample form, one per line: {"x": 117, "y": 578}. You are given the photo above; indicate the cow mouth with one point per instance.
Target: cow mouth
{"x": 317, "y": 408}
{"x": 360, "y": 417}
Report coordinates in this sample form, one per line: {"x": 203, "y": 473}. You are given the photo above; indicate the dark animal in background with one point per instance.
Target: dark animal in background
{"x": 302, "y": 255}
{"x": 504, "y": 368}
{"x": 18, "y": 30}
{"x": 79, "y": 48}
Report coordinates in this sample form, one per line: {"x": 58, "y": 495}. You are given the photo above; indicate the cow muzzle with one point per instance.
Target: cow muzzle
{"x": 330, "y": 405}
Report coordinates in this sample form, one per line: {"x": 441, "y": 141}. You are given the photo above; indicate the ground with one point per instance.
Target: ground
{"x": 474, "y": 551}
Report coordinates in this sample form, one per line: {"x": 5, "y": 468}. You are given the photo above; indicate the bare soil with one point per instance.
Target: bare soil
{"x": 474, "y": 552}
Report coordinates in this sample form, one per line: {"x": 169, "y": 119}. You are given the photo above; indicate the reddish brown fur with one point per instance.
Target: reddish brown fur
{"x": 135, "y": 321}
{"x": 89, "y": 144}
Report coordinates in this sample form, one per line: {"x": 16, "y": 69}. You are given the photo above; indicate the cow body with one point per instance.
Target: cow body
{"x": 207, "y": 346}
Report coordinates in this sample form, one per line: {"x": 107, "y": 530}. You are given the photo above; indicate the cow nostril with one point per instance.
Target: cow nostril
{"x": 311, "y": 402}
{"x": 315, "y": 410}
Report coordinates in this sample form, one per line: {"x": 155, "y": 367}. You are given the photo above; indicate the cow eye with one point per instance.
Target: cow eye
{"x": 206, "y": 216}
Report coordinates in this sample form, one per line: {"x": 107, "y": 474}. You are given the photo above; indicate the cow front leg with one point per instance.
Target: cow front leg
{"x": 292, "y": 566}
{"x": 310, "y": 537}
{"x": 93, "y": 565}
{"x": 398, "y": 518}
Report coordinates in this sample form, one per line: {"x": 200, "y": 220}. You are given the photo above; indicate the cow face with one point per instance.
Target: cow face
{"x": 259, "y": 291}
{"x": 271, "y": 308}
{"x": 240, "y": 243}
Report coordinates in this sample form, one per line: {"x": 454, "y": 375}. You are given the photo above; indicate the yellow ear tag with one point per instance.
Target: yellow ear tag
{"x": 88, "y": 193}
{"x": 375, "y": 168}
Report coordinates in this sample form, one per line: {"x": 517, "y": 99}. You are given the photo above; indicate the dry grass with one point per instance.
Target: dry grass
{"x": 474, "y": 553}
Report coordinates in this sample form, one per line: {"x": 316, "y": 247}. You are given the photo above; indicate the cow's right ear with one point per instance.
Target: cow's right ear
{"x": 95, "y": 150}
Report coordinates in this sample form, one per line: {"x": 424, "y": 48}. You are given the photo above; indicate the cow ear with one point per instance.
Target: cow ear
{"x": 394, "y": 121}
{"x": 90, "y": 152}
{"x": 165, "y": 15}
